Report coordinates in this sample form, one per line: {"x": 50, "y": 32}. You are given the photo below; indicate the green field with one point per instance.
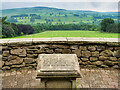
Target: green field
{"x": 75, "y": 33}
{"x": 49, "y": 15}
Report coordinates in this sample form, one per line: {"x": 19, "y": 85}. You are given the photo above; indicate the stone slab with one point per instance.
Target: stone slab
{"x": 58, "y": 64}
{"x": 59, "y": 39}
{"x": 69, "y": 40}
{"x": 4, "y": 41}
{"x": 21, "y": 40}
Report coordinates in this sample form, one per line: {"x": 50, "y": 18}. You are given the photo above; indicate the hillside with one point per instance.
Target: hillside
{"x": 48, "y": 15}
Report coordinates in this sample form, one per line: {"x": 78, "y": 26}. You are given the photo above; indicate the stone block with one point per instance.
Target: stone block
{"x": 58, "y": 46}
{"x": 49, "y": 51}
{"x": 29, "y": 60}
{"x": 18, "y": 51}
{"x": 98, "y": 63}
{"x": 84, "y": 59}
{"x": 91, "y": 48}
{"x": 39, "y": 51}
{"x": 16, "y": 61}
{"x": 32, "y": 55}
{"x": 5, "y": 68}
{"x": 86, "y": 53}
{"x": 5, "y": 53}
{"x": 106, "y": 53}
{"x": 100, "y": 48}
{"x": 11, "y": 57}
{"x": 93, "y": 58}
{"x": 74, "y": 47}
{"x": 103, "y": 58}
{"x": 95, "y": 54}
{"x": 77, "y": 52}
{"x": 66, "y": 51}
{"x": 58, "y": 50}
{"x": 113, "y": 58}
{"x": 109, "y": 63}
{"x": 117, "y": 53}
{"x": 83, "y": 48}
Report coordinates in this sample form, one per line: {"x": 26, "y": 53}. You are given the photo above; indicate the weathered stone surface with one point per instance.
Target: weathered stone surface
{"x": 113, "y": 43}
{"x": 15, "y": 47}
{"x": 0, "y": 57}
{"x": 80, "y": 62}
{"x": 77, "y": 52}
{"x": 110, "y": 48}
{"x": 50, "y": 51}
{"x": 83, "y": 48}
{"x": 84, "y": 63}
{"x": 4, "y": 58}
{"x": 17, "y": 66}
{"x": 30, "y": 52}
{"x": 91, "y": 48}
{"x": 113, "y": 58}
{"x": 32, "y": 55}
{"x": 106, "y": 53}
{"x": 86, "y": 53}
{"x": 84, "y": 59}
{"x": 100, "y": 48}
{"x": 117, "y": 53}
{"x": 5, "y": 53}
{"x": 29, "y": 60}
{"x": 5, "y": 68}
{"x": 58, "y": 50}
{"x": 115, "y": 62}
{"x": 32, "y": 47}
{"x": 34, "y": 65}
{"x": 95, "y": 54}
{"x": 74, "y": 47}
{"x": 59, "y": 46}
{"x": 11, "y": 57}
{"x": 103, "y": 58}
{"x": 98, "y": 63}
{"x": 41, "y": 46}
{"x": 16, "y": 61}
{"x": 93, "y": 58}
{"x": 116, "y": 67}
{"x": 18, "y": 51}
{"x": 66, "y": 51}
{"x": 1, "y": 63}
{"x": 104, "y": 66}
{"x": 109, "y": 63}
{"x": 5, "y": 48}
{"x": 39, "y": 51}
{"x": 57, "y": 62}
{"x": 117, "y": 48}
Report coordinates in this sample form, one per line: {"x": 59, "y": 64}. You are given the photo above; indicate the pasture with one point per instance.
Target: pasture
{"x": 70, "y": 33}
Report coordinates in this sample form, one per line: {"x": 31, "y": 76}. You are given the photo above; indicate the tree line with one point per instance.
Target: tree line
{"x": 13, "y": 30}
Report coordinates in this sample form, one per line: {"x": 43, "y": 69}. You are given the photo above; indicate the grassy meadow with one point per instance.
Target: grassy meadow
{"x": 72, "y": 33}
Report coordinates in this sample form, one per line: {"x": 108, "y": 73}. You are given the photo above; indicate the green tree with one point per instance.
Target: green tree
{"x": 113, "y": 28}
{"x": 7, "y": 31}
{"x": 105, "y": 22}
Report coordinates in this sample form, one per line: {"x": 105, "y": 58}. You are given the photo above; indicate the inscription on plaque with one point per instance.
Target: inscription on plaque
{"x": 57, "y": 62}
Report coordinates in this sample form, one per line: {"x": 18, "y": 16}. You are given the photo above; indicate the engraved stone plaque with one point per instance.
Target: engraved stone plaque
{"x": 58, "y": 70}
{"x": 58, "y": 64}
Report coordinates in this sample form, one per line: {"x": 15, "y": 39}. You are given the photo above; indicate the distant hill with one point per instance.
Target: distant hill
{"x": 49, "y": 15}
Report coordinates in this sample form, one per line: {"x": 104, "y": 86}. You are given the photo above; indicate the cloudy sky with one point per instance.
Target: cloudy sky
{"x": 94, "y": 5}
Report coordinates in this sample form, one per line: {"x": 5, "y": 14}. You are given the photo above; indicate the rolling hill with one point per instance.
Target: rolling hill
{"x": 48, "y": 15}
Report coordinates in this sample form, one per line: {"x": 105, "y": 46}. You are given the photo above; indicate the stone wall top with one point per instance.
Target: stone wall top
{"x": 69, "y": 40}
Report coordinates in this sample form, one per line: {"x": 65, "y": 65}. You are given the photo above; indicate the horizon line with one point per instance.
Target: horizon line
{"x": 58, "y": 8}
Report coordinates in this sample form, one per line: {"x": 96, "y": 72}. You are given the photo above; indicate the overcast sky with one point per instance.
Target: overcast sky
{"x": 94, "y": 5}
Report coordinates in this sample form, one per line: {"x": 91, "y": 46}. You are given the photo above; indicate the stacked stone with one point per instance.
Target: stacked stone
{"x": 90, "y": 55}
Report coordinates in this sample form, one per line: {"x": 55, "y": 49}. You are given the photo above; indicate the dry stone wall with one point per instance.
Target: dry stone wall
{"x": 92, "y": 53}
